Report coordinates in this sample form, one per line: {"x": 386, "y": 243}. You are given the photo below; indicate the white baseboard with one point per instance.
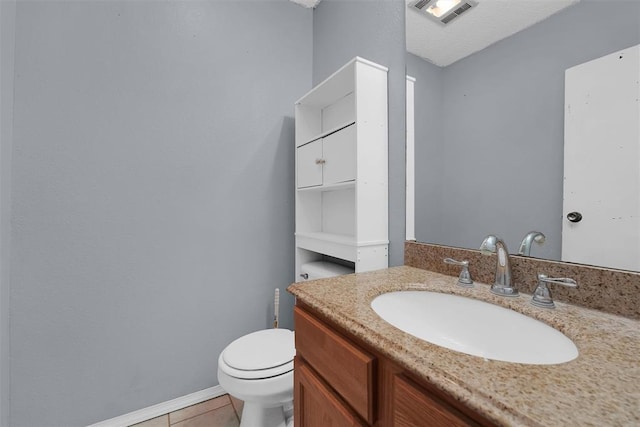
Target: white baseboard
{"x": 154, "y": 411}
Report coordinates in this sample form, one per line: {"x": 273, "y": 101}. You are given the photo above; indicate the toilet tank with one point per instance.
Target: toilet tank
{"x": 322, "y": 270}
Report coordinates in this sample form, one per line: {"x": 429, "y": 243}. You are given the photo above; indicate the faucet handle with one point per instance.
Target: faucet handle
{"x": 542, "y": 294}
{"x": 464, "y": 279}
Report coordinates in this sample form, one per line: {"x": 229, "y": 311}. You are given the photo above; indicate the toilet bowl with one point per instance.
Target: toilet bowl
{"x": 258, "y": 369}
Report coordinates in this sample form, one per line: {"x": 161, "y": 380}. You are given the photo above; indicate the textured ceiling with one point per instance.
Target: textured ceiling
{"x": 483, "y": 25}
{"x": 486, "y": 23}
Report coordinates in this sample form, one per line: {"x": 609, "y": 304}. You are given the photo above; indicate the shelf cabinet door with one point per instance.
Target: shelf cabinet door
{"x": 339, "y": 153}
{"x": 316, "y": 405}
{"x": 309, "y": 170}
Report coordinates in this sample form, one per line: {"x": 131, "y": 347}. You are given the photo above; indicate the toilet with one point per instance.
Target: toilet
{"x": 258, "y": 369}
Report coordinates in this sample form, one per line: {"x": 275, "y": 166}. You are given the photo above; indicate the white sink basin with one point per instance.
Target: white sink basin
{"x": 474, "y": 327}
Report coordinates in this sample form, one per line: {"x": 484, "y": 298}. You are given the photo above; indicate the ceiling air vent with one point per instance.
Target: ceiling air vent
{"x": 442, "y": 11}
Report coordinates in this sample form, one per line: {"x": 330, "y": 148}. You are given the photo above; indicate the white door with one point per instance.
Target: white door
{"x": 602, "y": 162}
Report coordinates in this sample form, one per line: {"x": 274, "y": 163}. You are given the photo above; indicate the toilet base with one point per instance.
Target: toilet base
{"x": 254, "y": 415}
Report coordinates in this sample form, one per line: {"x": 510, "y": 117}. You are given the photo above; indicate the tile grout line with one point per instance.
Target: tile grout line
{"x": 201, "y": 413}
{"x": 235, "y": 410}
{"x": 190, "y": 418}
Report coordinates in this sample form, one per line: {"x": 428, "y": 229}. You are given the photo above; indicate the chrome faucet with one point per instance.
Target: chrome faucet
{"x": 542, "y": 295}
{"x": 503, "y": 284}
{"x": 532, "y": 236}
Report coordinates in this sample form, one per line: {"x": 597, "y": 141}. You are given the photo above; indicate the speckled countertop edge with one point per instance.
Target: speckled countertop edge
{"x": 601, "y": 386}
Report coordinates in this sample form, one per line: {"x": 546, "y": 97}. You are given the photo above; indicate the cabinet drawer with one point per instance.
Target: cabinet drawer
{"x": 413, "y": 406}
{"x": 349, "y": 370}
{"x": 316, "y": 404}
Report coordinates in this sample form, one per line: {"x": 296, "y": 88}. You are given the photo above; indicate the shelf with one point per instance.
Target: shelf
{"x": 342, "y": 203}
{"x": 342, "y": 239}
{"x": 336, "y": 245}
{"x": 331, "y": 187}
{"x": 336, "y": 85}
{"x": 326, "y": 133}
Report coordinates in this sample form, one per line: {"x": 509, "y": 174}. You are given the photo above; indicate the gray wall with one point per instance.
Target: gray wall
{"x": 343, "y": 29}
{"x": 152, "y": 196}
{"x": 503, "y": 126}
{"x": 7, "y": 40}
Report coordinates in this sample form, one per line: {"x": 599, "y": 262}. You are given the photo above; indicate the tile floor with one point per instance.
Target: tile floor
{"x": 223, "y": 411}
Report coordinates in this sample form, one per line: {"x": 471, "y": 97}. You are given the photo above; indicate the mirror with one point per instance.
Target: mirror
{"x": 489, "y": 129}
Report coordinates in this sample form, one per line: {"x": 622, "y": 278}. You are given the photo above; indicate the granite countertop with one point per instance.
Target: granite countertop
{"x": 600, "y": 387}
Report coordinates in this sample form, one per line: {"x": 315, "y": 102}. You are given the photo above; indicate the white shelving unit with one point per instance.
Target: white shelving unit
{"x": 342, "y": 169}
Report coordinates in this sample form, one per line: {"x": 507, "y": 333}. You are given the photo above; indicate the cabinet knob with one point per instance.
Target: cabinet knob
{"x": 320, "y": 161}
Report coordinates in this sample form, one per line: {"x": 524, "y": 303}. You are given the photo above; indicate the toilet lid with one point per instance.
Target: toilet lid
{"x": 266, "y": 349}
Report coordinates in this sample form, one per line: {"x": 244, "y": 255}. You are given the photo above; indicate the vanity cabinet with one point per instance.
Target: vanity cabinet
{"x": 348, "y": 369}
{"x": 414, "y": 406}
{"x": 342, "y": 169}
{"x": 339, "y": 381}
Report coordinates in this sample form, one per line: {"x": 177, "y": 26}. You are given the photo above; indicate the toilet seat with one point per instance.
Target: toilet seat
{"x": 262, "y": 354}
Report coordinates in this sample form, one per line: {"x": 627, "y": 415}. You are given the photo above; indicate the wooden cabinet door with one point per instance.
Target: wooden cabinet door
{"x": 309, "y": 171}
{"x": 316, "y": 405}
{"x": 413, "y": 406}
{"x": 339, "y": 154}
{"x": 349, "y": 370}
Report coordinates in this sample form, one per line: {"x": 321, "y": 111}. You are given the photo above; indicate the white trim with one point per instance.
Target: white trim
{"x": 154, "y": 411}
{"x": 410, "y": 161}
